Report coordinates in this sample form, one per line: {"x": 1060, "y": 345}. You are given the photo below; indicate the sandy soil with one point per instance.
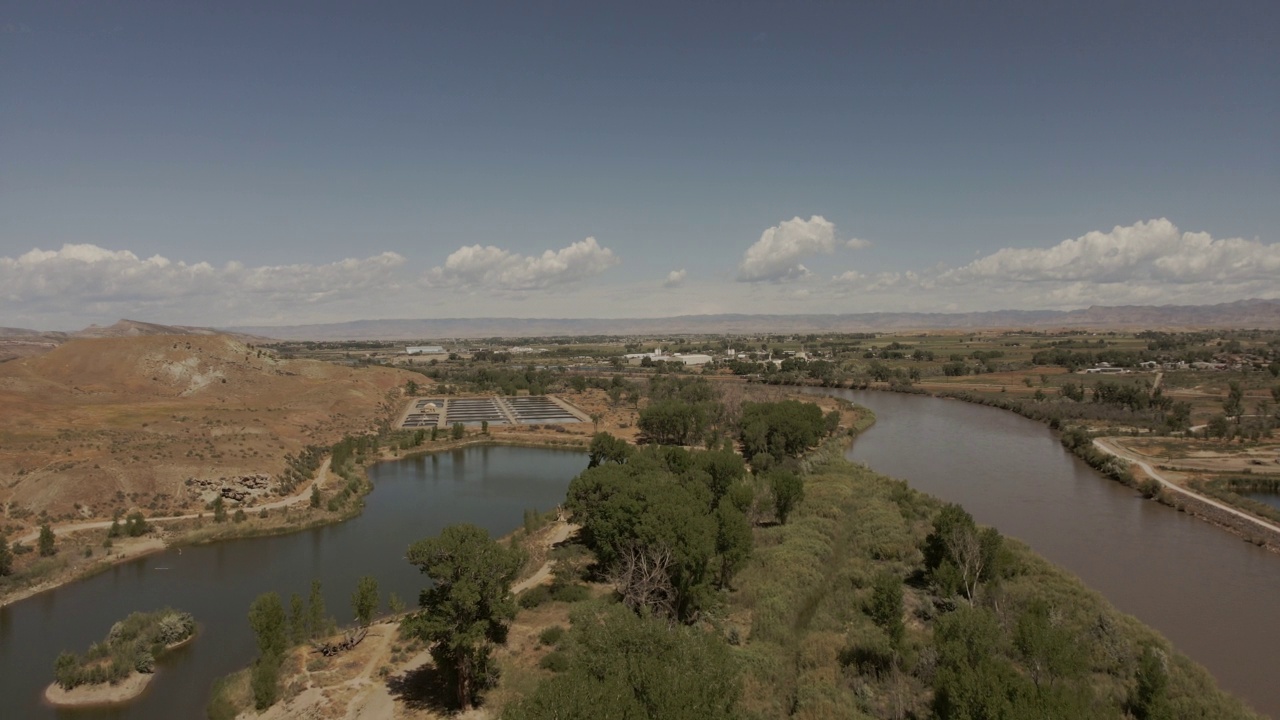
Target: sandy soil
{"x": 87, "y": 695}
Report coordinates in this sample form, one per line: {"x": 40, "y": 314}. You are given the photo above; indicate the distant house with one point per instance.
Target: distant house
{"x": 425, "y": 350}
{"x": 693, "y": 359}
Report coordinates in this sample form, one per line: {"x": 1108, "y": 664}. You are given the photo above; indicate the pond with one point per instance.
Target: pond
{"x": 489, "y": 486}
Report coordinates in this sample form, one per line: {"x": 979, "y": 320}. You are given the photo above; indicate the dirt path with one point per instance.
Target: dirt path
{"x": 1113, "y": 448}
{"x": 559, "y": 535}
{"x": 322, "y": 478}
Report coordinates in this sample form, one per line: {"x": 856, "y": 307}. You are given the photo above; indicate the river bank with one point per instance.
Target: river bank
{"x": 202, "y": 528}
{"x": 1099, "y": 454}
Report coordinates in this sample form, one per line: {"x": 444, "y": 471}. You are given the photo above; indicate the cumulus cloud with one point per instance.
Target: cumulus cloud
{"x": 75, "y": 276}
{"x": 1150, "y": 262}
{"x": 476, "y": 266}
{"x": 776, "y": 256}
{"x": 675, "y": 278}
{"x": 1145, "y": 252}
{"x": 858, "y": 244}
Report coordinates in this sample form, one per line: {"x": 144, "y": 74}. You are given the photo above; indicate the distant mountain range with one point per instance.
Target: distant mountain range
{"x": 1263, "y": 314}
{"x": 1241, "y": 314}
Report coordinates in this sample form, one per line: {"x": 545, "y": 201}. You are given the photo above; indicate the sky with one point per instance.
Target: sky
{"x": 249, "y": 163}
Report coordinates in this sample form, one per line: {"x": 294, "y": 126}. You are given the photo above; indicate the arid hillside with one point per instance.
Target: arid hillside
{"x": 101, "y": 425}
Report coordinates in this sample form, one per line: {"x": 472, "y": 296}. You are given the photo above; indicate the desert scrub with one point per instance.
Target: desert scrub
{"x": 132, "y": 645}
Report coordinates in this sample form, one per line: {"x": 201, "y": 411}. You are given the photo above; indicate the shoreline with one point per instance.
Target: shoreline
{"x": 1235, "y": 520}
{"x": 105, "y": 694}
{"x": 153, "y": 544}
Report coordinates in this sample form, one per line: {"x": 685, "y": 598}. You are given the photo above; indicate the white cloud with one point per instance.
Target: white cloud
{"x": 1145, "y": 252}
{"x": 776, "y": 256}
{"x": 1147, "y": 263}
{"x": 858, "y": 244}
{"x": 477, "y": 266}
{"x": 76, "y": 277}
{"x": 675, "y": 278}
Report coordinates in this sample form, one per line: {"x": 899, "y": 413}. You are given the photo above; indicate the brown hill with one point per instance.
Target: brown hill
{"x": 97, "y": 425}
{"x": 137, "y": 328}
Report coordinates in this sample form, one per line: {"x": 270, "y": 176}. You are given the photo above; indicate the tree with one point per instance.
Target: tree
{"x": 625, "y": 667}
{"x": 1150, "y": 698}
{"x": 411, "y": 388}
{"x": 364, "y": 602}
{"x": 315, "y": 495}
{"x": 957, "y": 555}
{"x": 885, "y": 607}
{"x": 458, "y": 431}
{"x": 468, "y": 607}
{"x": 297, "y": 619}
{"x": 1233, "y": 406}
{"x": 219, "y": 510}
{"x": 136, "y": 525}
{"x": 782, "y": 429}
{"x": 317, "y": 623}
{"x": 607, "y": 448}
{"x": 6, "y": 557}
{"x": 270, "y": 629}
{"x": 788, "y": 491}
{"x": 733, "y": 541}
{"x": 47, "y": 541}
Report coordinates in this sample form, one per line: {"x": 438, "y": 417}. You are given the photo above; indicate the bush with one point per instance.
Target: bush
{"x": 556, "y": 661}
{"x": 535, "y": 596}
{"x": 571, "y": 593}
{"x": 551, "y": 635}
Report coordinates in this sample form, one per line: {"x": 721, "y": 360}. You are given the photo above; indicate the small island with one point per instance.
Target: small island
{"x": 119, "y": 669}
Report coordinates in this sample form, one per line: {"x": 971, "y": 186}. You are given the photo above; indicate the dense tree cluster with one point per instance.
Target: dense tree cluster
{"x": 781, "y": 429}
{"x": 666, "y": 524}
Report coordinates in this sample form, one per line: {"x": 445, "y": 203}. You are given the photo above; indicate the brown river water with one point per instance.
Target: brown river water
{"x": 1214, "y": 595}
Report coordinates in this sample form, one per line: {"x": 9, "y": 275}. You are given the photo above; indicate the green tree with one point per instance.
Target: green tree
{"x": 468, "y": 607}
{"x": 270, "y": 630}
{"x": 297, "y": 620}
{"x": 47, "y": 542}
{"x": 625, "y": 667}
{"x": 317, "y": 620}
{"x": 1233, "y": 406}
{"x": 6, "y": 557}
{"x": 782, "y": 429}
{"x": 219, "y": 510}
{"x": 1150, "y": 698}
{"x": 1048, "y": 650}
{"x": 607, "y": 448}
{"x": 733, "y": 541}
{"x": 364, "y": 602}
{"x": 458, "y": 431}
{"x": 315, "y": 495}
{"x": 411, "y": 388}
{"x": 958, "y": 556}
{"x": 788, "y": 491}
{"x": 136, "y": 524}
{"x": 885, "y": 607}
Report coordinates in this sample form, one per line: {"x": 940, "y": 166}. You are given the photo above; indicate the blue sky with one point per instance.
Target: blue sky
{"x": 233, "y": 163}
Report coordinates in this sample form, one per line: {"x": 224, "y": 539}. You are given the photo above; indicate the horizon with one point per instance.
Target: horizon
{"x": 247, "y": 166}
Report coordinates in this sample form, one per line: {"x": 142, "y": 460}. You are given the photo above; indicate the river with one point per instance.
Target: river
{"x": 1211, "y": 593}
{"x": 412, "y": 499}
{"x": 1214, "y": 595}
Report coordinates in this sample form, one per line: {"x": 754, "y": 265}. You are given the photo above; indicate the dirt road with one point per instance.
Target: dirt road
{"x": 1110, "y": 447}
{"x": 304, "y": 495}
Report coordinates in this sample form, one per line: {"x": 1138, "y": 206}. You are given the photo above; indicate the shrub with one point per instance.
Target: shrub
{"x": 551, "y": 635}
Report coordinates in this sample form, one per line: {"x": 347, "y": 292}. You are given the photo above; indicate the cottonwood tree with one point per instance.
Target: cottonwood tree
{"x": 959, "y": 556}
{"x": 364, "y": 602}
{"x": 468, "y": 607}
{"x": 270, "y": 629}
{"x": 733, "y": 540}
{"x": 788, "y": 491}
